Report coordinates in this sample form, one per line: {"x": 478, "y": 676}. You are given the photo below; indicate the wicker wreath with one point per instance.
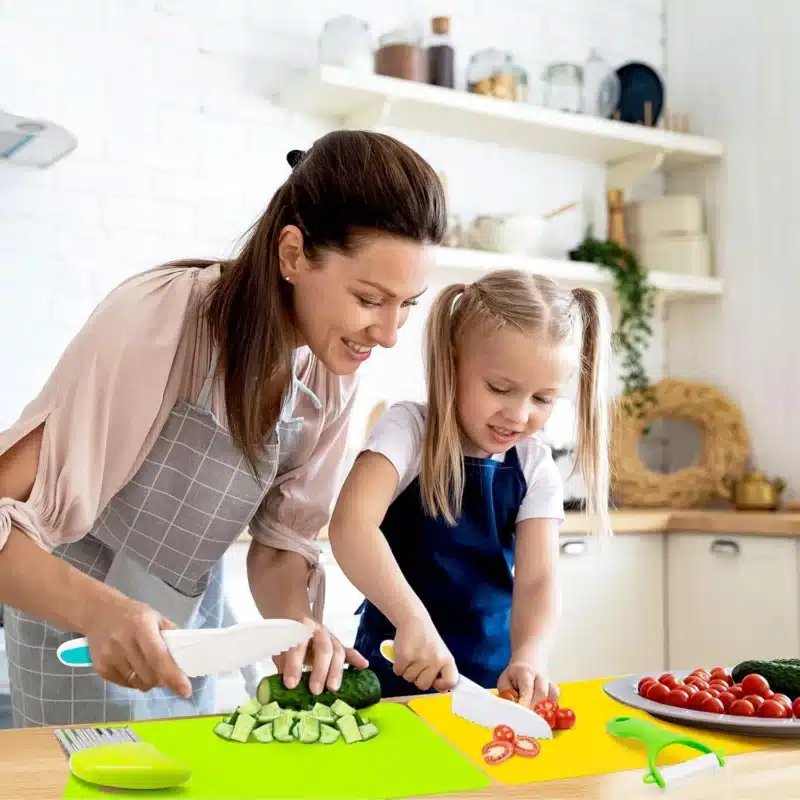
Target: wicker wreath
{"x": 725, "y": 448}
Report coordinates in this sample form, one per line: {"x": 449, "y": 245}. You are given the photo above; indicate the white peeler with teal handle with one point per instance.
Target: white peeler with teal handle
{"x": 212, "y": 651}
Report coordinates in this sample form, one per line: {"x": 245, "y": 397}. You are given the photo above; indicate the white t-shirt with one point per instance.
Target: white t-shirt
{"x": 399, "y": 436}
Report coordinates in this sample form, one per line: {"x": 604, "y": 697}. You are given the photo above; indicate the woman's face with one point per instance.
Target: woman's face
{"x": 351, "y": 303}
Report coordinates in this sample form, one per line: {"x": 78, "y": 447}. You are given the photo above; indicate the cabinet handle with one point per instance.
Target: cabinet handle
{"x": 573, "y": 548}
{"x": 725, "y": 546}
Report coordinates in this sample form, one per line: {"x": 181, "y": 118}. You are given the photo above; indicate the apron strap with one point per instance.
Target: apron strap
{"x": 204, "y": 398}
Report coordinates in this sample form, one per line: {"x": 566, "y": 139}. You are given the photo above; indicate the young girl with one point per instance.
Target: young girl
{"x": 448, "y": 521}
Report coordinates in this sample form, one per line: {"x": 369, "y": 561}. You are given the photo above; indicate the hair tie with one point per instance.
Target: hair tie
{"x": 294, "y": 157}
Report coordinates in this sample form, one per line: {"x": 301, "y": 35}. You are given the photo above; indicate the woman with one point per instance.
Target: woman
{"x": 201, "y": 398}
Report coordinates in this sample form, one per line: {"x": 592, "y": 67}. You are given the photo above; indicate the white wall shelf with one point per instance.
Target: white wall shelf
{"x": 359, "y": 100}
{"x": 670, "y": 285}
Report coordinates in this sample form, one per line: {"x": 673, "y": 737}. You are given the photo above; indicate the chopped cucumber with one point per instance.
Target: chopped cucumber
{"x": 282, "y": 729}
{"x": 323, "y": 713}
{"x": 263, "y": 734}
{"x": 349, "y": 728}
{"x": 308, "y": 730}
{"x": 223, "y": 730}
{"x": 341, "y": 709}
{"x": 327, "y": 734}
{"x": 243, "y": 728}
{"x": 269, "y": 713}
{"x": 368, "y": 731}
{"x": 251, "y": 707}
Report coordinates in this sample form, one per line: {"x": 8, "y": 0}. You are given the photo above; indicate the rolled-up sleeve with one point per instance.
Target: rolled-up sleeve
{"x": 101, "y": 407}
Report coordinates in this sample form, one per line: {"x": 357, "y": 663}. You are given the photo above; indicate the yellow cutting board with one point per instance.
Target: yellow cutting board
{"x": 586, "y": 749}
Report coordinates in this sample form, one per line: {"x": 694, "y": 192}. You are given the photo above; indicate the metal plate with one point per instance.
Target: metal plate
{"x": 624, "y": 690}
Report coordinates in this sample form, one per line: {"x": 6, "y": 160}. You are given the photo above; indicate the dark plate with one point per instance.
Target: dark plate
{"x": 638, "y": 85}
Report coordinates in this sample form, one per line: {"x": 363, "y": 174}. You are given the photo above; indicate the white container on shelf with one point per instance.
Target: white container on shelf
{"x": 669, "y": 215}
{"x": 688, "y": 254}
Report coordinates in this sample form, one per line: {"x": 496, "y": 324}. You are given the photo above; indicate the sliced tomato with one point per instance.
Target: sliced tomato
{"x": 772, "y": 709}
{"x": 657, "y": 693}
{"x": 502, "y": 733}
{"x": 509, "y": 694}
{"x": 565, "y": 719}
{"x": 497, "y": 752}
{"x": 546, "y": 704}
{"x": 549, "y": 716}
{"x": 755, "y": 684}
{"x": 742, "y": 708}
{"x": 526, "y": 746}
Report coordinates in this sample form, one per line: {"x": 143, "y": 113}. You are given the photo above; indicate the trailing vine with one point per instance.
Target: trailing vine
{"x": 636, "y": 299}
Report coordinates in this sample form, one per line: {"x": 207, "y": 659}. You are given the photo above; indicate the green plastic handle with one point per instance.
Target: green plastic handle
{"x": 655, "y": 740}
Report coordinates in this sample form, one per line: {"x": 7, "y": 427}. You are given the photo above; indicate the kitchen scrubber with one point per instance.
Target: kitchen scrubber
{"x": 655, "y": 740}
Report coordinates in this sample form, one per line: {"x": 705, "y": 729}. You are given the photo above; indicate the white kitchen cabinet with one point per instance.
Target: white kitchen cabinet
{"x": 731, "y": 598}
{"x": 612, "y": 620}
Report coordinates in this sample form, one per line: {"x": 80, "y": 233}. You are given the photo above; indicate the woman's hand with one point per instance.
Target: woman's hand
{"x": 529, "y": 683}
{"x": 421, "y": 657}
{"x": 326, "y": 656}
{"x": 127, "y": 648}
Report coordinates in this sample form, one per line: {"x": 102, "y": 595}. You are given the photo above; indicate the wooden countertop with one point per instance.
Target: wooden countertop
{"x": 34, "y": 767}
{"x": 708, "y": 521}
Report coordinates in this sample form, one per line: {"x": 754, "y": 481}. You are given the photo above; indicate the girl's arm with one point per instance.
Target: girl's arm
{"x": 360, "y": 548}
{"x": 536, "y": 603}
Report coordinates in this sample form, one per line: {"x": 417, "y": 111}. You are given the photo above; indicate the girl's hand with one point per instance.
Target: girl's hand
{"x": 528, "y": 682}
{"x": 422, "y": 658}
{"x": 326, "y": 656}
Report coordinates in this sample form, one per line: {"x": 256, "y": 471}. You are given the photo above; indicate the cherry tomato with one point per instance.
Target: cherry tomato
{"x": 726, "y": 699}
{"x": 719, "y": 673}
{"x": 755, "y": 684}
{"x": 796, "y": 707}
{"x": 713, "y": 705}
{"x": 755, "y": 700}
{"x": 720, "y": 686}
{"x": 670, "y": 681}
{"x": 502, "y": 733}
{"x": 782, "y": 699}
{"x": 697, "y": 700}
{"x": 645, "y": 686}
{"x": 772, "y": 709}
{"x": 742, "y": 708}
{"x": 737, "y": 691}
{"x": 696, "y": 680}
{"x": 565, "y": 719}
{"x": 657, "y": 693}
{"x": 546, "y": 704}
{"x": 526, "y": 746}
{"x": 549, "y": 716}
{"x": 713, "y": 691}
{"x": 643, "y": 681}
{"x": 497, "y": 752}
{"x": 677, "y": 698}
{"x": 689, "y": 688}
{"x": 509, "y": 694}
{"x": 701, "y": 673}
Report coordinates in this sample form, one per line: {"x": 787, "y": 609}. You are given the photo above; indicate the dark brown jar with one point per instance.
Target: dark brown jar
{"x": 441, "y": 56}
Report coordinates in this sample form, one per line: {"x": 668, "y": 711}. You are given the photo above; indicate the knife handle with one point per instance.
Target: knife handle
{"x": 75, "y": 653}
{"x": 387, "y": 650}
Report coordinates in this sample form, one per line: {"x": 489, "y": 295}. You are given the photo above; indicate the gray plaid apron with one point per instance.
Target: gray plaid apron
{"x": 159, "y": 540}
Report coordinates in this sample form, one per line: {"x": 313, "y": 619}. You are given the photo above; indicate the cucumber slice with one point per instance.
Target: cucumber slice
{"x": 223, "y": 730}
{"x": 269, "y": 713}
{"x": 327, "y": 734}
{"x": 308, "y": 730}
{"x": 263, "y": 734}
{"x": 341, "y": 709}
{"x": 282, "y": 729}
{"x": 251, "y": 708}
{"x": 368, "y": 731}
{"x": 243, "y": 728}
{"x": 349, "y": 728}
{"x": 323, "y": 713}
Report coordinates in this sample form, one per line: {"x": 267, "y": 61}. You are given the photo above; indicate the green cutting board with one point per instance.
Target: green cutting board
{"x": 407, "y": 759}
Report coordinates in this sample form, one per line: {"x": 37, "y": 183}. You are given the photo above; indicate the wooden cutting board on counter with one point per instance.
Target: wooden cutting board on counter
{"x": 407, "y": 759}
{"x": 586, "y": 749}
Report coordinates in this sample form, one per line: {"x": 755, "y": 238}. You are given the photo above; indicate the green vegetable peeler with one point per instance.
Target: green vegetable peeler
{"x": 656, "y": 739}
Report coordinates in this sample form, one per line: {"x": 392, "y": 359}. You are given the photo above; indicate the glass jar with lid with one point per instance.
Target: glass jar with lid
{"x": 346, "y": 42}
{"x": 400, "y": 54}
{"x": 492, "y": 72}
{"x": 563, "y": 87}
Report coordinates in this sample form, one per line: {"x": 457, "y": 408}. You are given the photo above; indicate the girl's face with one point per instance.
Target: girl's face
{"x": 507, "y": 383}
{"x": 351, "y": 303}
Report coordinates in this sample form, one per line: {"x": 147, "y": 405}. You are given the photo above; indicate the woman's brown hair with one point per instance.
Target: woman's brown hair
{"x": 348, "y": 185}
{"x": 530, "y": 303}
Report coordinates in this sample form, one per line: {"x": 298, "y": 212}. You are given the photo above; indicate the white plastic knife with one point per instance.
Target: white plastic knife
{"x": 471, "y": 701}
{"x": 215, "y": 650}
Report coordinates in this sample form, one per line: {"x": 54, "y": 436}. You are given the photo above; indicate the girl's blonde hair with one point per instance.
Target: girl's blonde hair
{"x": 530, "y": 303}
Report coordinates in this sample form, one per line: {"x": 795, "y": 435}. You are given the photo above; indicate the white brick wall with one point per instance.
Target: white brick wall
{"x": 180, "y": 147}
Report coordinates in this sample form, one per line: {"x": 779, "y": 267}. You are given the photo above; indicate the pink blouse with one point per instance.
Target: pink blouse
{"x": 142, "y": 350}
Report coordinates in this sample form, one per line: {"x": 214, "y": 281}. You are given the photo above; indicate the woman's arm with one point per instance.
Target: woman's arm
{"x": 278, "y": 581}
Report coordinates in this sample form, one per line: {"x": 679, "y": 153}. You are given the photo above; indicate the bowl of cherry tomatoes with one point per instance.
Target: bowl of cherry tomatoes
{"x": 710, "y": 698}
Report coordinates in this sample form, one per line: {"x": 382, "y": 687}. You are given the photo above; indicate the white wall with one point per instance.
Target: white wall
{"x": 735, "y": 67}
{"x": 180, "y": 147}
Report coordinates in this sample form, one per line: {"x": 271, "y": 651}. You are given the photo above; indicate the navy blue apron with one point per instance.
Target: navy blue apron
{"x": 462, "y": 574}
